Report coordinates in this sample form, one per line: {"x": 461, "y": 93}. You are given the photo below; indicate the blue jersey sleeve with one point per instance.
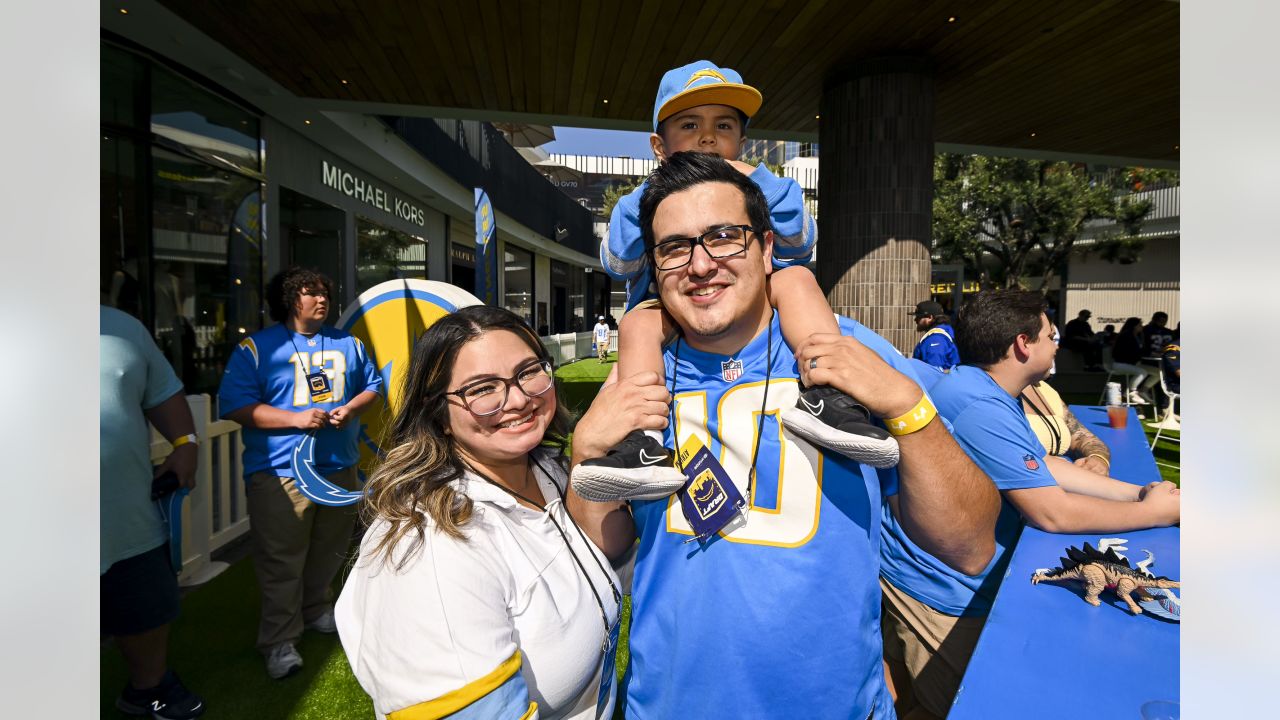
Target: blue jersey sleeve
{"x": 240, "y": 387}
{"x": 370, "y": 378}
{"x": 795, "y": 230}
{"x": 1003, "y": 445}
{"x": 622, "y": 255}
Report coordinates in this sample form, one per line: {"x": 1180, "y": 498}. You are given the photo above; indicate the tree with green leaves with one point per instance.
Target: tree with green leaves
{"x": 1008, "y": 219}
{"x": 616, "y": 192}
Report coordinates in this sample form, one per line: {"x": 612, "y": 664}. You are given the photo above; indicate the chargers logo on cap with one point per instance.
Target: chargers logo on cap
{"x": 706, "y": 74}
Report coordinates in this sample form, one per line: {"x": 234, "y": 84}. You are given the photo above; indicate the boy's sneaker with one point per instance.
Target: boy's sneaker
{"x": 170, "y": 700}
{"x": 828, "y": 418}
{"x": 638, "y": 468}
{"x": 324, "y": 623}
{"x": 283, "y": 661}
{"x": 1136, "y": 398}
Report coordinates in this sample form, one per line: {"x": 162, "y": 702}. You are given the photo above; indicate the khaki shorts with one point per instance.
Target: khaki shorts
{"x": 934, "y": 646}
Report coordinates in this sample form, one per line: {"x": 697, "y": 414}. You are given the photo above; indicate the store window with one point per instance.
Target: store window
{"x": 312, "y": 234}
{"x": 181, "y": 203}
{"x": 577, "y": 300}
{"x": 518, "y": 274}
{"x": 462, "y": 267}
{"x": 122, "y": 269}
{"x": 384, "y": 253}
{"x": 206, "y": 264}
{"x": 204, "y": 124}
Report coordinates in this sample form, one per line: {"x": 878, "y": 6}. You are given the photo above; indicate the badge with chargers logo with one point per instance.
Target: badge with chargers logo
{"x": 709, "y": 499}
{"x": 321, "y": 390}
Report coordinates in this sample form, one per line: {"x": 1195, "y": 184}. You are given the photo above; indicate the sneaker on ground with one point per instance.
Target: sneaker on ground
{"x": 1136, "y": 398}
{"x": 638, "y": 468}
{"x": 323, "y": 623}
{"x": 827, "y": 417}
{"x": 170, "y": 700}
{"x": 283, "y": 661}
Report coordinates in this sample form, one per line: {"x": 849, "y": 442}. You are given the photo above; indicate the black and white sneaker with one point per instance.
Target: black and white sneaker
{"x": 638, "y": 468}
{"x": 828, "y": 418}
{"x": 170, "y": 700}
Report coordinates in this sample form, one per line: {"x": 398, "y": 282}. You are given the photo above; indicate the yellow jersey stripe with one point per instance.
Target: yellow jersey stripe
{"x": 456, "y": 700}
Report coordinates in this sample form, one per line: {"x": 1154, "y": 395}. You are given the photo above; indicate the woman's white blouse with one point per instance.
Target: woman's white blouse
{"x": 459, "y": 610}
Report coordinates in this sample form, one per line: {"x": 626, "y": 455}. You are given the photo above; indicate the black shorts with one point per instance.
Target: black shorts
{"x": 138, "y": 594}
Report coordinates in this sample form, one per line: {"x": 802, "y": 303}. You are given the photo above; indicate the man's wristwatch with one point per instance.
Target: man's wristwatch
{"x": 183, "y": 440}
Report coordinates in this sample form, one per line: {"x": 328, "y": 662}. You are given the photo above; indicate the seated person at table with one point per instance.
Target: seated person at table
{"x": 1171, "y": 371}
{"x": 932, "y": 614}
{"x": 1061, "y": 433}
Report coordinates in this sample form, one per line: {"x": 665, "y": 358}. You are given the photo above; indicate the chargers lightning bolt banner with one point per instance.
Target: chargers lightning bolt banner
{"x": 388, "y": 318}
{"x": 486, "y": 253}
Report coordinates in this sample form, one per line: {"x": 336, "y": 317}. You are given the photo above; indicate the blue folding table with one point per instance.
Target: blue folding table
{"x": 1044, "y": 653}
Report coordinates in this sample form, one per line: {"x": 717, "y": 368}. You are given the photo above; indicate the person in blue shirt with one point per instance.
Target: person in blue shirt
{"x": 933, "y": 612}
{"x": 138, "y": 585}
{"x": 938, "y": 344}
{"x": 294, "y": 379}
{"x": 701, "y": 107}
{"x": 775, "y": 614}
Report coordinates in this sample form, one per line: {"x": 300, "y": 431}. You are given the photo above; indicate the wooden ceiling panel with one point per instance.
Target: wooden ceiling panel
{"x": 1098, "y": 78}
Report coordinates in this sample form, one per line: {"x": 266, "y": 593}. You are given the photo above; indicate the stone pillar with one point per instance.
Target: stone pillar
{"x": 876, "y": 192}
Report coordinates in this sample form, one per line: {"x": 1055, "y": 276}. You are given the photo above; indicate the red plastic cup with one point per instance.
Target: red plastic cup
{"x": 1118, "y": 416}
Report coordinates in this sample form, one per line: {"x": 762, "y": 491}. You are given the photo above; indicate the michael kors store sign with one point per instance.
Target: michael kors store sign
{"x": 352, "y": 186}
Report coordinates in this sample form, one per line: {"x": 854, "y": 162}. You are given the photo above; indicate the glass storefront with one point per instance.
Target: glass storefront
{"x": 383, "y": 253}
{"x": 312, "y": 235}
{"x": 181, "y": 209}
{"x": 518, "y": 273}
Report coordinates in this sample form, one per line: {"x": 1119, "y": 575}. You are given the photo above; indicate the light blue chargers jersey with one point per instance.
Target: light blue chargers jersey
{"x": 270, "y": 367}
{"x": 990, "y": 426}
{"x": 781, "y": 616}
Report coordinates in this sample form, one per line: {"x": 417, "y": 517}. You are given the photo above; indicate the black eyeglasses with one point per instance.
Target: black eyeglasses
{"x": 486, "y": 397}
{"x": 720, "y": 243}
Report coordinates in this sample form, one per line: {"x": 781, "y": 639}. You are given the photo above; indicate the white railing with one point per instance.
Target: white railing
{"x": 568, "y": 347}
{"x": 216, "y": 511}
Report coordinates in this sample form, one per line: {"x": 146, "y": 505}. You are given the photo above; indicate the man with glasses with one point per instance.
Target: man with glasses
{"x": 776, "y": 613}
{"x": 294, "y": 379}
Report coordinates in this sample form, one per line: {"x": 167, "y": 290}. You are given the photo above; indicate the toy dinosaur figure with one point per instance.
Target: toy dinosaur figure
{"x": 1099, "y": 571}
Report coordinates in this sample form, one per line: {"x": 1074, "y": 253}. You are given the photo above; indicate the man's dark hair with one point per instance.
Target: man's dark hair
{"x": 742, "y": 118}
{"x": 285, "y": 288}
{"x": 991, "y": 320}
{"x": 684, "y": 170}
{"x": 1160, "y": 317}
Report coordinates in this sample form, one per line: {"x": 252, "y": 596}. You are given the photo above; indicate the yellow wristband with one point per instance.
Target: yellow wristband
{"x": 1105, "y": 460}
{"x": 914, "y": 419}
{"x": 180, "y": 441}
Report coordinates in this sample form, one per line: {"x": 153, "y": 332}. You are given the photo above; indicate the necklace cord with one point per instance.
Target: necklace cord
{"x": 617, "y": 596}
{"x": 764, "y": 401}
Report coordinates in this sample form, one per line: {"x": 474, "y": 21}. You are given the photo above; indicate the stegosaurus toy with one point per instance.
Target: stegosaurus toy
{"x": 1099, "y": 571}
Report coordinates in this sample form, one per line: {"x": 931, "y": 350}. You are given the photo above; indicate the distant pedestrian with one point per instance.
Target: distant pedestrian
{"x": 602, "y": 339}
{"x": 938, "y": 344}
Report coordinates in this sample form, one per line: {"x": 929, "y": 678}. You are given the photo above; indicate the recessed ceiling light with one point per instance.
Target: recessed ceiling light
{"x": 951, "y": 19}
{"x": 1033, "y": 134}
{"x": 123, "y": 11}
{"x": 606, "y": 101}
{"x": 308, "y": 122}
{"x": 1175, "y": 147}
{"x": 344, "y": 82}
{"x": 817, "y": 117}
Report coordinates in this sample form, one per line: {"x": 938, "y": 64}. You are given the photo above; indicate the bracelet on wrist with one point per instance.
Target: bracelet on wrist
{"x": 184, "y": 439}
{"x": 914, "y": 419}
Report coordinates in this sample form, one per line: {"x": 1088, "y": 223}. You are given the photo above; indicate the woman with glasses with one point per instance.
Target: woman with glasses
{"x": 476, "y": 594}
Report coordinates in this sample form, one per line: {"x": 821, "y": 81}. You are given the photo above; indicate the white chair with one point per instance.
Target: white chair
{"x": 1170, "y": 421}
{"x": 1122, "y": 370}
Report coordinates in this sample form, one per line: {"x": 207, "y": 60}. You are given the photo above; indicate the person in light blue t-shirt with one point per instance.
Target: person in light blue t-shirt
{"x": 297, "y": 377}
{"x": 138, "y": 585}
{"x": 777, "y": 616}
{"x": 933, "y": 613}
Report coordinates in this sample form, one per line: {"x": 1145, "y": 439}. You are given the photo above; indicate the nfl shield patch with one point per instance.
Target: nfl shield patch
{"x": 1030, "y": 462}
{"x": 731, "y": 370}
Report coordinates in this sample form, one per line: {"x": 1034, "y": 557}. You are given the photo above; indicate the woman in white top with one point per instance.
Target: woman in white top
{"x": 476, "y": 595}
